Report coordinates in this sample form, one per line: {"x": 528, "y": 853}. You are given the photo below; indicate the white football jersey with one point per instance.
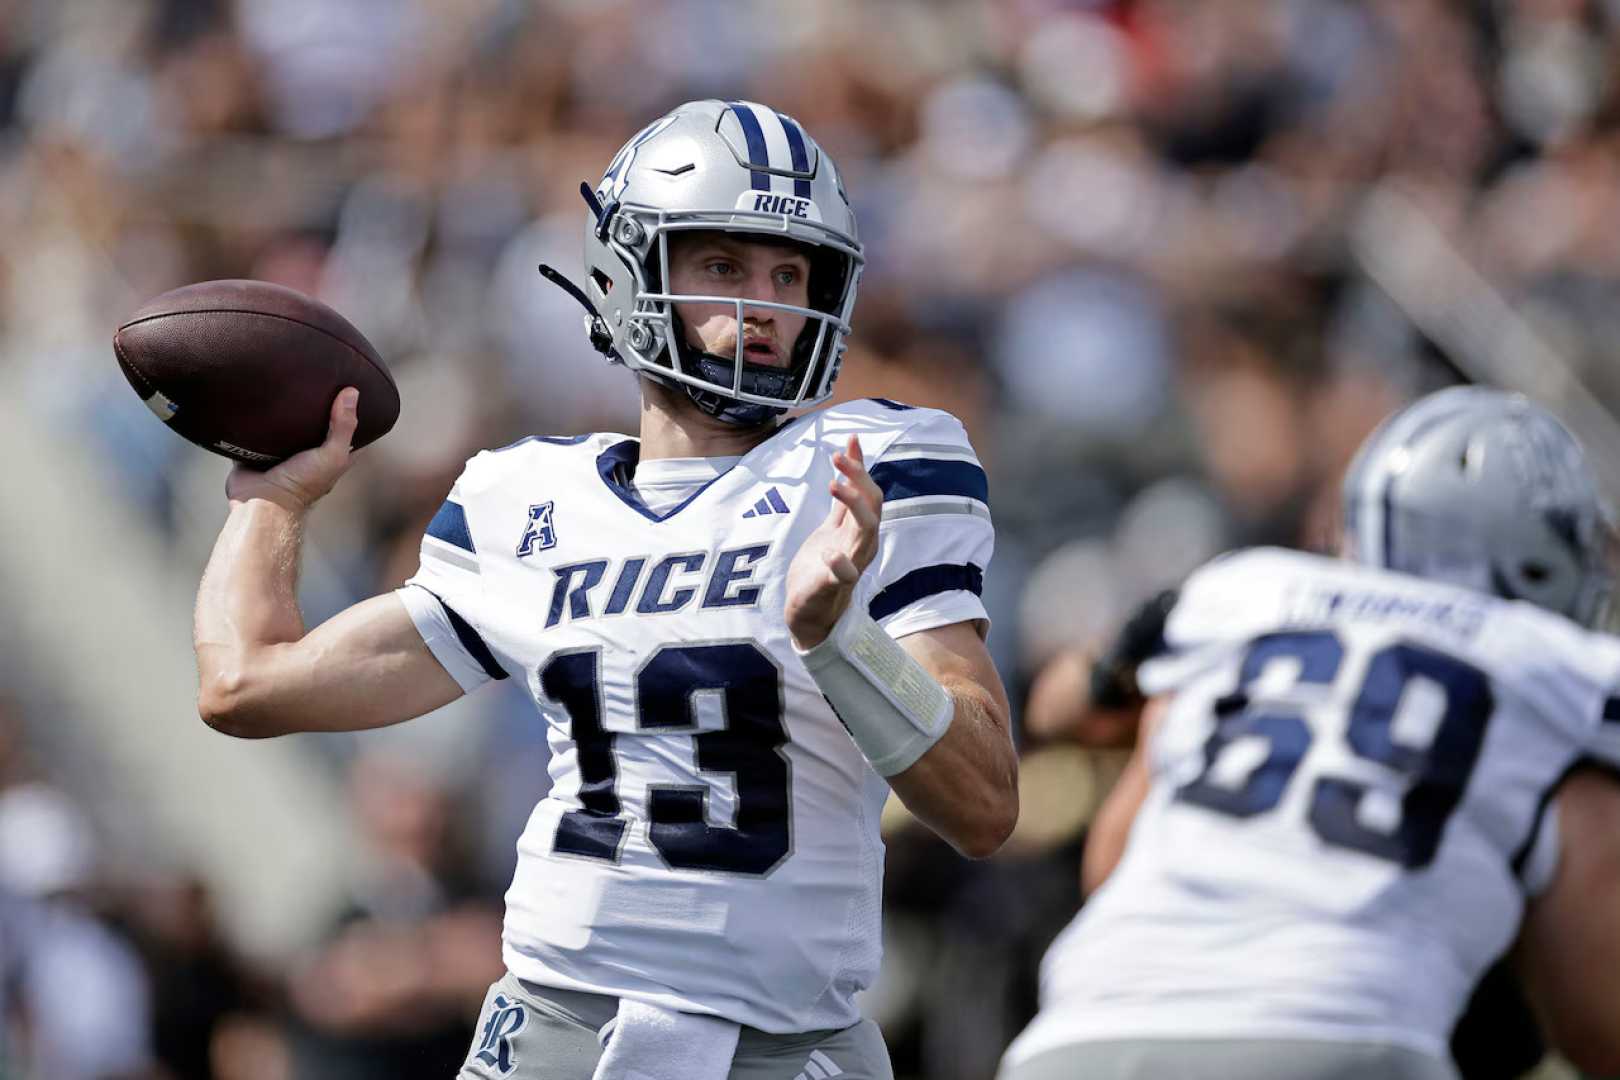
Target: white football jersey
{"x": 1348, "y": 808}
{"x": 710, "y": 842}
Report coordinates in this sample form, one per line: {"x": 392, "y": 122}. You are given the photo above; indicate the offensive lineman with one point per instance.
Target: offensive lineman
{"x": 1369, "y": 782}
{"x": 740, "y": 634}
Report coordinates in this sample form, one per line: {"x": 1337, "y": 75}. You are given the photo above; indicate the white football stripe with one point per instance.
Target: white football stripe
{"x": 161, "y": 407}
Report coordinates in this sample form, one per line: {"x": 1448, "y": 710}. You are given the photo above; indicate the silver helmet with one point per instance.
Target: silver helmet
{"x": 734, "y": 167}
{"x": 1486, "y": 490}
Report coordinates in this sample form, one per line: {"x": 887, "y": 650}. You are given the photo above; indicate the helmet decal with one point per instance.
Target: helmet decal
{"x": 617, "y": 175}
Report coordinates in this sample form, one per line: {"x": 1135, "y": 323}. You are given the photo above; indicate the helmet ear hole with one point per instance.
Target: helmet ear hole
{"x": 1536, "y": 573}
{"x": 602, "y": 282}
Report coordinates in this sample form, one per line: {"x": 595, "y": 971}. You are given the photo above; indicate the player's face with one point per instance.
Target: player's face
{"x": 718, "y": 264}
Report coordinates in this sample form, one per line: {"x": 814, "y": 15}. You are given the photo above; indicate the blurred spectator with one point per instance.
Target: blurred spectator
{"x": 200, "y": 988}
{"x": 395, "y": 990}
{"x": 82, "y": 1005}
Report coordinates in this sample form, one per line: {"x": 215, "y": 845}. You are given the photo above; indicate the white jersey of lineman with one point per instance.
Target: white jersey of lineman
{"x": 1346, "y": 814}
{"x": 710, "y": 842}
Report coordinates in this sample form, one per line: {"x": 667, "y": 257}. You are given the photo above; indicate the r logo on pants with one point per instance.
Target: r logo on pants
{"x": 495, "y": 1046}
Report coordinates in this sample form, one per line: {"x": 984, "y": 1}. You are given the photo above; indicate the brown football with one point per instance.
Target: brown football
{"x": 248, "y": 369}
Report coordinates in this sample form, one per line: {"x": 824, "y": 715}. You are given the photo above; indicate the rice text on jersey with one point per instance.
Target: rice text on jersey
{"x": 726, "y": 583}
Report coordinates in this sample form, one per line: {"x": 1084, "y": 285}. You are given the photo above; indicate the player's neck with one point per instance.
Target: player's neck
{"x": 673, "y": 427}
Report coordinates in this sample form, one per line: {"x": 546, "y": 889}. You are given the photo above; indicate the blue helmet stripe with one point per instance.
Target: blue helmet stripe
{"x": 801, "y": 157}
{"x": 759, "y": 158}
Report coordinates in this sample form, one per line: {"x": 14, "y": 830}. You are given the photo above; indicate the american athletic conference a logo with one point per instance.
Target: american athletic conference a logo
{"x": 539, "y": 534}
{"x": 506, "y": 1019}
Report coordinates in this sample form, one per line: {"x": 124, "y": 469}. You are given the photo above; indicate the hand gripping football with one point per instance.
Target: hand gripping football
{"x": 248, "y": 369}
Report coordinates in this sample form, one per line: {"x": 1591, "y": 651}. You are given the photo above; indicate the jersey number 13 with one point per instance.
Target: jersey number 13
{"x": 749, "y": 748}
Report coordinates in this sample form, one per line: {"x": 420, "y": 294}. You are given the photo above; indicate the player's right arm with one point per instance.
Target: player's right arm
{"x": 1568, "y": 953}
{"x": 260, "y": 673}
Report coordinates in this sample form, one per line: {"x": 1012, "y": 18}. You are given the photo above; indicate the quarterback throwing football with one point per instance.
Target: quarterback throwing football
{"x": 741, "y": 630}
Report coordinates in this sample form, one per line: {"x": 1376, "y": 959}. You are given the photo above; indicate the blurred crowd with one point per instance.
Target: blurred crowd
{"x": 1169, "y": 260}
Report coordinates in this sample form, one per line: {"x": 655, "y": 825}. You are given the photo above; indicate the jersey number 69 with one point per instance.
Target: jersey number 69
{"x": 1434, "y": 773}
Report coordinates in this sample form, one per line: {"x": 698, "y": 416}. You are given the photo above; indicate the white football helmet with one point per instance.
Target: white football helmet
{"x": 728, "y": 166}
{"x": 1487, "y": 490}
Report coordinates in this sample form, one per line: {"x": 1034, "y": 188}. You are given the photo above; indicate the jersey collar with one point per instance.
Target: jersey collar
{"x": 628, "y": 453}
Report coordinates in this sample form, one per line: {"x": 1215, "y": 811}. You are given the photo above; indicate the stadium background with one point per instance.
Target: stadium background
{"x": 1169, "y": 261}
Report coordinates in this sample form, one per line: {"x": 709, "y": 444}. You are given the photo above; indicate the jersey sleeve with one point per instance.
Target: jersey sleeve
{"x": 444, "y": 597}
{"x": 936, "y": 538}
{"x": 1567, "y": 673}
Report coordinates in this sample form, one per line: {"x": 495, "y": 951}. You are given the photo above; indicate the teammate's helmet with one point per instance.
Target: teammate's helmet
{"x": 739, "y": 168}
{"x": 1487, "y": 490}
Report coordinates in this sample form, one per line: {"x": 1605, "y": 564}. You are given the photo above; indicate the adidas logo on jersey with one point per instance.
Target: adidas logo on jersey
{"x": 771, "y": 503}
{"x": 819, "y": 1067}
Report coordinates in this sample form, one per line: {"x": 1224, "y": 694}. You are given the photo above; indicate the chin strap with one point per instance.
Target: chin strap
{"x": 595, "y": 325}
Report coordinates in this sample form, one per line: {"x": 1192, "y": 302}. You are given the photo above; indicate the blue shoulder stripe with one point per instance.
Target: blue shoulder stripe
{"x": 471, "y": 640}
{"x": 450, "y": 525}
{"x": 926, "y": 581}
{"x": 1611, "y": 711}
{"x": 911, "y": 477}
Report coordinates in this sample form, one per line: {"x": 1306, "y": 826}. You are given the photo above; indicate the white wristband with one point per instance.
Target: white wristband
{"x": 892, "y": 707}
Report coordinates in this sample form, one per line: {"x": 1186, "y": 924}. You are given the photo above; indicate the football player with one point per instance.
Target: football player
{"x": 1361, "y": 781}
{"x": 743, "y": 629}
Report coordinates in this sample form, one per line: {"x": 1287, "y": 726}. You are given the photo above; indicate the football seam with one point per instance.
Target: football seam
{"x": 133, "y": 373}
{"x": 380, "y": 369}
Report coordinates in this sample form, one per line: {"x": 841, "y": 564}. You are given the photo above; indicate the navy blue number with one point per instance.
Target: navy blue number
{"x": 574, "y": 681}
{"x": 749, "y": 748}
{"x": 1438, "y": 773}
{"x": 1319, "y": 654}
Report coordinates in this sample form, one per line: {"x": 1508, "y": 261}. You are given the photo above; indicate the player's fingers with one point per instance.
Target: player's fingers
{"x": 842, "y": 566}
{"x": 345, "y": 418}
{"x": 836, "y": 515}
{"x": 854, "y": 450}
{"x": 853, "y": 469}
{"x": 859, "y": 504}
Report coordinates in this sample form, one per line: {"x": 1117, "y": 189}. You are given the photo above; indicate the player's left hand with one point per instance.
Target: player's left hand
{"x": 823, "y": 575}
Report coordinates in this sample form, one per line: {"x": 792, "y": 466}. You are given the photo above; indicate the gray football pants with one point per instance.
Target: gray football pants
{"x": 1229, "y": 1059}
{"x": 529, "y": 1032}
